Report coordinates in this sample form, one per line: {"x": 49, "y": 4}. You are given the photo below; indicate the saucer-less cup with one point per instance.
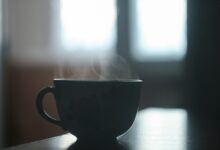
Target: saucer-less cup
{"x": 93, "y": 110}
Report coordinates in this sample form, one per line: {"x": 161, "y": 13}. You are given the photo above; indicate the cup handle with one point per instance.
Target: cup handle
{"x": 40, "y": 107}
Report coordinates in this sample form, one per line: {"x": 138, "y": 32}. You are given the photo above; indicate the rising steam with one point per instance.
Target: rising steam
{"x": 101, "y": 67}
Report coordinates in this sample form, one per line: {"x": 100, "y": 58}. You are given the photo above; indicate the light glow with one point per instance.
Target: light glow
{"x": 159, "y": 30}
{"x": 88, "y": 24}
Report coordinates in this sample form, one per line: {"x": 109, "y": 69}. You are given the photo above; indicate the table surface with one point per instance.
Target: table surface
{"x": 153, "y": 129}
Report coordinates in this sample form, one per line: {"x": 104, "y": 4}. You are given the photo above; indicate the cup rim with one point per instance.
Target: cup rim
{"x": 98, "y": 80}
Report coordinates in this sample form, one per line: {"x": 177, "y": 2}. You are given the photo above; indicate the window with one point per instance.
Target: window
{"x": 88, "y": 25}
{"x": 158, "y": 30}
{"x": 149, "y": 30}
{"x": 157, "y": 27}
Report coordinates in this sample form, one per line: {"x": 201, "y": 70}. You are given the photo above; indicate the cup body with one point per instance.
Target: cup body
{"x": 97, "y": 108}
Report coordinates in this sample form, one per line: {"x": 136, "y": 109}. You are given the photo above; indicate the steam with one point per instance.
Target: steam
{"x": 95, "y": 67}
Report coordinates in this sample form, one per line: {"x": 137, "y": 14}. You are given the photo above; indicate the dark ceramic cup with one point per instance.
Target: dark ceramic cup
{"x": 93, "y": 109}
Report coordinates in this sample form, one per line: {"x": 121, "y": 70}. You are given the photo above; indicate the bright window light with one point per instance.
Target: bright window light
{"x": 88, "y": 24}
{"x": 159, "y": 30}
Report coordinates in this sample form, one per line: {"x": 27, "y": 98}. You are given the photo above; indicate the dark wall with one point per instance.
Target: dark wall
{"x": 203, "y": 58}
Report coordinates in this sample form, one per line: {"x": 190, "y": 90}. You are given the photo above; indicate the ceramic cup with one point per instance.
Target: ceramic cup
{"x": 93, "y": 109}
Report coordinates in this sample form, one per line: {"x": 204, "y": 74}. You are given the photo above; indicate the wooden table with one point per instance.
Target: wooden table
{"x": 153, "y": 129}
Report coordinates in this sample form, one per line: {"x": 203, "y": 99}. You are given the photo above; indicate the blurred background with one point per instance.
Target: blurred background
{"x": 173, "y": 45}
